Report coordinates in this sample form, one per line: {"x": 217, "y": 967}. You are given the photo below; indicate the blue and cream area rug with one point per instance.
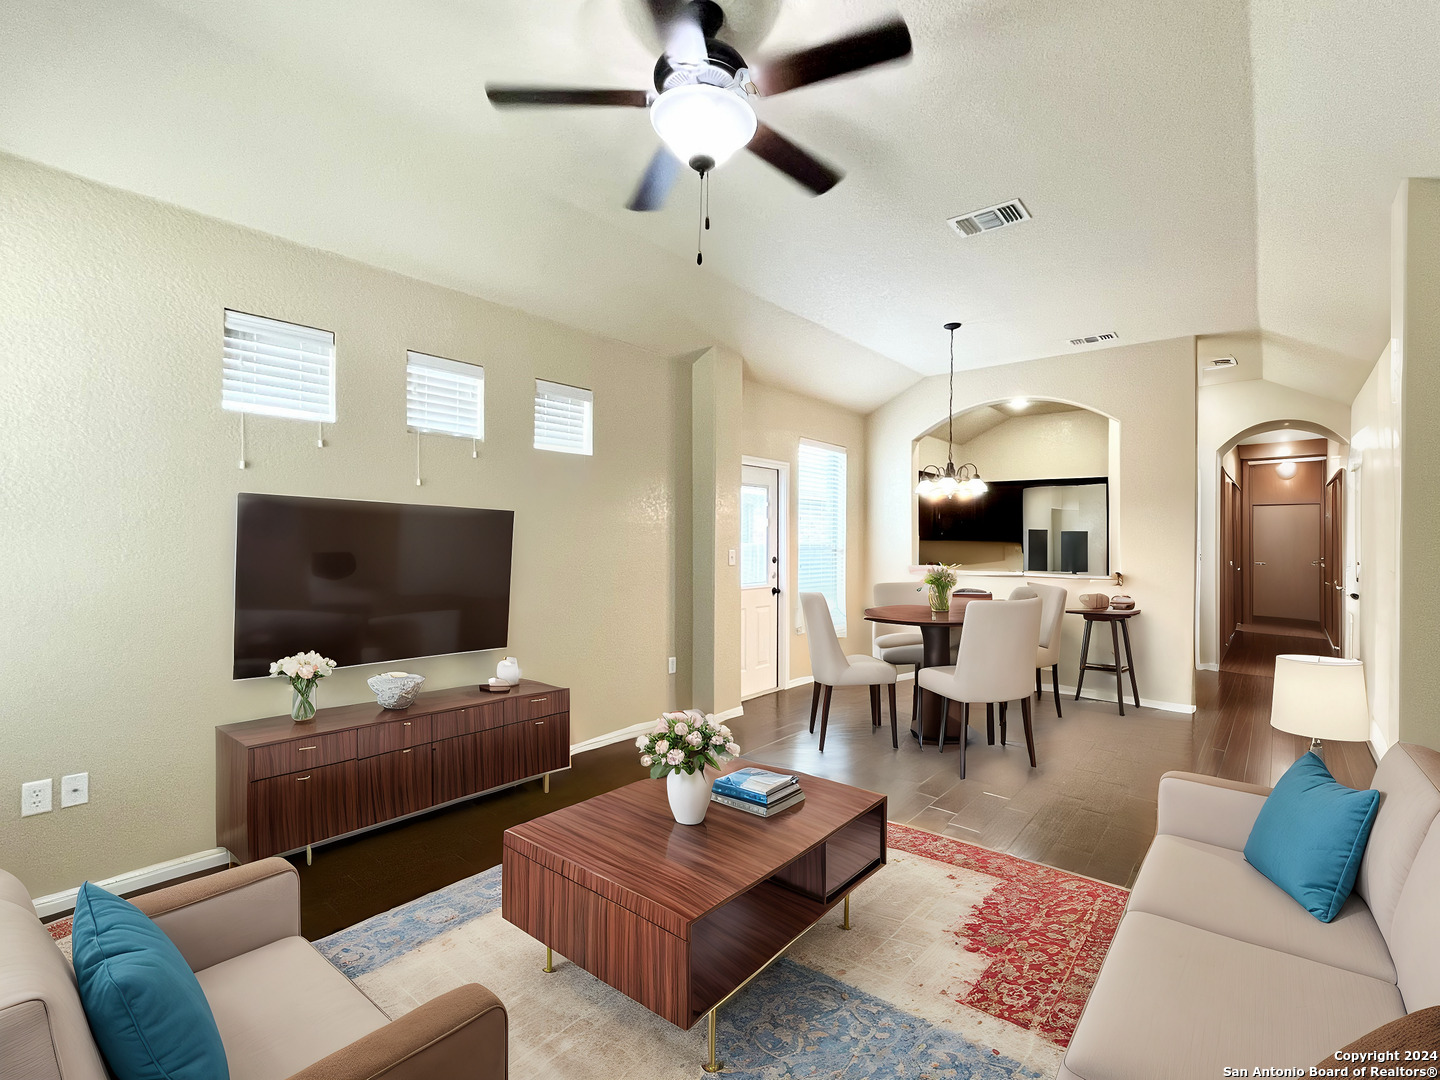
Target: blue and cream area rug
{"x": 961, "y": 962}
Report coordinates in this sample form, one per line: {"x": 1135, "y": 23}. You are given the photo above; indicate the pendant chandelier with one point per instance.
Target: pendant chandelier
{"x": 947, "y": 483}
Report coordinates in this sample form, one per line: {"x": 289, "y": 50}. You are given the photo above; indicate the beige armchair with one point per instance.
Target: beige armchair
{"x": 282, "y": 1009}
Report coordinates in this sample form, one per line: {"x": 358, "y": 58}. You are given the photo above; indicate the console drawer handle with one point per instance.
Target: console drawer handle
{"x": 538, "y": 700}
{"x": 407, "y": 723}
{"x": 299, "y": 778}
{"x": 539, "y": 723}
{"x": 305, "y": 748}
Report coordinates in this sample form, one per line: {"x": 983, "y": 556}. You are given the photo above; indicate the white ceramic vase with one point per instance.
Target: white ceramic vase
{"x": 508, "y": 670}
{"x": 689, "y": 796}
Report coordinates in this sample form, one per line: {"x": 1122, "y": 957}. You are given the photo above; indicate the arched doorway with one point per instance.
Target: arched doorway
{"x": 1281, "y": 560}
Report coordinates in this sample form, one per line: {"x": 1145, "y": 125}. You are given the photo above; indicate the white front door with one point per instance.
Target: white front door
{"x": 759, "y": 580}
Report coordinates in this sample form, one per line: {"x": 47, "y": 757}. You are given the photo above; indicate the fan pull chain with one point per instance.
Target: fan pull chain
{"x": 705, "y": 184}
{"x": 699, "y": 232}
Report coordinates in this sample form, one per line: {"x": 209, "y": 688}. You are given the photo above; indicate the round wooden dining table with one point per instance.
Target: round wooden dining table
{"x": 935, "y": 627}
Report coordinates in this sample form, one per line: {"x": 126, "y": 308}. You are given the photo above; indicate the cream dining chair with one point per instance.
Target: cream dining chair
{"x": 994, "y": 665}
{"x": 1052, "y": 613}
{"x": 904, "y": 645}
{"x": 831, "y": 668}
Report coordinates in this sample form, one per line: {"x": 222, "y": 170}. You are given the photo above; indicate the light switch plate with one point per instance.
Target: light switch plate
{"x": 672, "y": 665}
{"x": 74, "y": 789}
{"x": 732, "y": 556}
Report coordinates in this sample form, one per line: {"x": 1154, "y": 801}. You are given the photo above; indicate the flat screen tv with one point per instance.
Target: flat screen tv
{"x": 367, "y": 582}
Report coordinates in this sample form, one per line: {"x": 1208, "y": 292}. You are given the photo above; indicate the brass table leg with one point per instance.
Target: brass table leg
{"x": 846, "y": 924}
{"x": 549, "y": 961}
{"x": 546, "y": 787}
{"x": 309, "y": 856}
{"x": 712, "y": 1066}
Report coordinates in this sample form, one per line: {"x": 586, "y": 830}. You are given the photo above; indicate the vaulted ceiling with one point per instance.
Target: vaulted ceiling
{"x": 1192, "y": 167}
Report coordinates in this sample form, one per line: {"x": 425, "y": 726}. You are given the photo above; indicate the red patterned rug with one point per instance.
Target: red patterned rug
{"x": 1043, "y": 931}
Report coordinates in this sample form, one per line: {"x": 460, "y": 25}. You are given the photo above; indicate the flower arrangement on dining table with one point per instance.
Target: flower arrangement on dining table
{"x": 685, "y": 742}
{"x": 941, "y": 578}
{"x": 304, "y": 670}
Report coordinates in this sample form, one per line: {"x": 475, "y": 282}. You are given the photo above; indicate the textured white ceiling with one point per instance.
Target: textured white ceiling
{"x": 1130, "y": 129}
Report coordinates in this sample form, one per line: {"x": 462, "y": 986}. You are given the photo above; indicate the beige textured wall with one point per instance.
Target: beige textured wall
{"x": 1031, "y": 448}
{"x": 1415, "y": 344}
{"x": 1150, "y": 390}
{"x": 119, "y": 490}
{"x": 717, "y": 378}
{"x": 1372, "y": 514}
{"x": 774, "y": 423}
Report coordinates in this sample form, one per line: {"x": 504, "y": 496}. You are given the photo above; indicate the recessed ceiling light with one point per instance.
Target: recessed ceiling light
{"x": 1019, "y": 403}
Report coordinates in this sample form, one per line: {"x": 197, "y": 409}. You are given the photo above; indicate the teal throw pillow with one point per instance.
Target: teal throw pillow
{"x": 1310, "y": 836}
{"x": 145, "y": 1006}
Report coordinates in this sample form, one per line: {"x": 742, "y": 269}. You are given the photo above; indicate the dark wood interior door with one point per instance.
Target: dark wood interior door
{"x": 1285, "y": 545}
{"x": 1332, "y": 561}
{"x": 1228, "y": 570}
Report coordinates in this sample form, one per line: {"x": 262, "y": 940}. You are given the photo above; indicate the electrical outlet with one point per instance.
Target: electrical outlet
{"x": 672, "y": 665}
{"x": 74, "y": 789}
{"x": 35, "y": 798}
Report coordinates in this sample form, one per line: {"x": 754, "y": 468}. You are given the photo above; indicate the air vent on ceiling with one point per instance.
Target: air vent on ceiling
{"x": 1094, "y": 339}
{"x": 1224, "y": 361}
{"x": 992, "y": 217}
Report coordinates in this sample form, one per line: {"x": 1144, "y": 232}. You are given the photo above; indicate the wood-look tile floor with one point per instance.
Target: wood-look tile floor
{"x": 1089, "y": 806}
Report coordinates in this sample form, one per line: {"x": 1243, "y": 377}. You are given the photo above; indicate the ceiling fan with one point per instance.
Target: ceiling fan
{"x": 701, "y": 105}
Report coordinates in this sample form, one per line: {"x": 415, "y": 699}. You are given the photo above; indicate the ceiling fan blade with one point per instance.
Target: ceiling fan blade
{"x": 655, "y": 185}
{"x": 511, "y": 96}
{"x": 678, "y": 24}
{"x": 878, "y": 45}
{"x": 800, "y": 165}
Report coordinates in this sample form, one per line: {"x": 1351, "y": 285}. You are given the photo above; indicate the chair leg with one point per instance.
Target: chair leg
{"x": 945, "y": 720}
{"x": 964, "y": 731}
{"x": 990, "y": 723}
{"x": 1055, "y": 685}
{"x": 894, "y": 727}
{"x": 814, "y": 707}
{"x": 875, "y": 705}
{"x": 824, "y": 716}
{"x": 1004, "y": 727}
{"x": 1029, "y": 729}
{"x": 1039, "y": 690}
{"x": 915, "y": 710}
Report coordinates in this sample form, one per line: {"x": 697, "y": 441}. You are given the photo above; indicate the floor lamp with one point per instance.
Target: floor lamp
{"x": 1322, "y": 697}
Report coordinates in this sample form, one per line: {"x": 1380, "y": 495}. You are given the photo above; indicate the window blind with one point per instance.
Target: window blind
{"x": 444, "y": 397}
{"x": 563, "y": 418}
{"x": 820, "y": 487}
{"x": 278, "y": 369}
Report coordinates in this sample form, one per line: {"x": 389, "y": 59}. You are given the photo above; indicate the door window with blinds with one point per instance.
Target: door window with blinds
{"x": 564, "y": 418}
{"x": 444, "y": 397}
{"x": 277, "y": 368}
{"x": 820, "y": 530}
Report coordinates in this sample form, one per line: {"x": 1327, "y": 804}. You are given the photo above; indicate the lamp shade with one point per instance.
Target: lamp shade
{"x": 1320, "y": 697}
{"x": 697, "y": 120}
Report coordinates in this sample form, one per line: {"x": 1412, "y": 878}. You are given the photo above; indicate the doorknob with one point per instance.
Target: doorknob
{"x": 1314, "y": 562}
{"x": 1259, "y": 564}
{"x": 774, "y": 590}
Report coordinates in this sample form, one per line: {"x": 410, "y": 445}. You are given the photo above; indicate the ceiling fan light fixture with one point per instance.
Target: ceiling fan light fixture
{"x": 698, "y": 121}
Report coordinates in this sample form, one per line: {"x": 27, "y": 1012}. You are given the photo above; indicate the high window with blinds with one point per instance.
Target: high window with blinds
{"x": 564, "y": 418}
{"x": 820, "y": 485}
{"x": 277, "y": 368}
{"x": 444, "y": 397}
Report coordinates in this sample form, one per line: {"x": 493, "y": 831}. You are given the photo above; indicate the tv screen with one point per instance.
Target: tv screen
{"x": 367, "y": 582}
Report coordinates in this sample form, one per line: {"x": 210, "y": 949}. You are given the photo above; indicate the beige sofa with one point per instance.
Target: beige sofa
{"x": 1215, "y": 966}
{"x": 282, "y": 1009}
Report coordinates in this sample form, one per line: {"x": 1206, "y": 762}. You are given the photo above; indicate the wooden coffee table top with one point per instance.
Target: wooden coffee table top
{"x": 626, "y": 846}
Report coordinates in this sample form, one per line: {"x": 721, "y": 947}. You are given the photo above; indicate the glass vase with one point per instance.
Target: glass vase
{"x": 302, "y": 702}
{"x": 939, "y": 600}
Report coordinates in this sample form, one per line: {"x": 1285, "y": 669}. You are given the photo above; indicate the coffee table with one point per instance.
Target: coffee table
{"x": 680, "y": 917}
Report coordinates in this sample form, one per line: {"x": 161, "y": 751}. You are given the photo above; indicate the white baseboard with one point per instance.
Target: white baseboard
{"x": 134, "y": 880}
{"x": 730, "y": 714}
{"x": 619, "y": 735}
{"x": 803, "y": 680}
{"x": 1208, "y": 667}
{"x": 1109, "y": 696}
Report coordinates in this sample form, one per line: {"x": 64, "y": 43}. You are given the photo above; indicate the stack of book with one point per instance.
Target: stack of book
{"x": 757, "y": 791}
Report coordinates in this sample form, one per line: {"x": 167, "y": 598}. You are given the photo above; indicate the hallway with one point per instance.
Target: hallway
{"x": 1233, "y": 736}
